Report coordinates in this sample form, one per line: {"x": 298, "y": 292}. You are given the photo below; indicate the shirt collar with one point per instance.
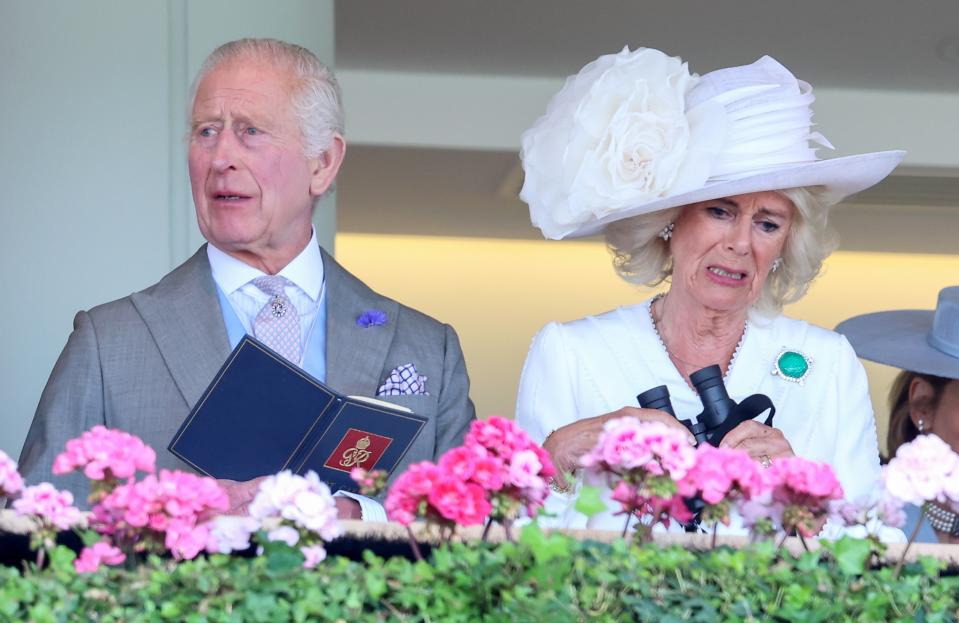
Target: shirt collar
{"x": 305, "y": 270}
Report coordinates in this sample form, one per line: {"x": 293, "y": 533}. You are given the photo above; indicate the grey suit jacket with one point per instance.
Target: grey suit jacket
{"x": 140, "y": 364}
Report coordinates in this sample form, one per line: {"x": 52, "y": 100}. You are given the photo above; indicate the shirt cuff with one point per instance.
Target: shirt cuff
{"x": 370, "y": 509}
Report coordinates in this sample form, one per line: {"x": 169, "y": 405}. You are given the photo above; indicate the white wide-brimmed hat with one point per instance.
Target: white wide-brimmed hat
{"x": 636, "y": 132}
{"x": 921, "y": 340}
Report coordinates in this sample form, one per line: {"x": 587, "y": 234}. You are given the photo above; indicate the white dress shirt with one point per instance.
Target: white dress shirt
{"x": 304, "y": 272}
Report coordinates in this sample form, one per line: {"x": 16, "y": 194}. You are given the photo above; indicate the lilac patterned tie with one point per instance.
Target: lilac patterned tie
{"x": 278, "y": 325}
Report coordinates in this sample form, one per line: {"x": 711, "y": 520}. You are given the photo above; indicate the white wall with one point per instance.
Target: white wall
{"x": 96, "y": 200}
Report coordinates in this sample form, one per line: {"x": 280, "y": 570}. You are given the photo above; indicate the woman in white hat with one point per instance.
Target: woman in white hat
{"x": 711, "y": 184}
{"x": 924, "y": 399}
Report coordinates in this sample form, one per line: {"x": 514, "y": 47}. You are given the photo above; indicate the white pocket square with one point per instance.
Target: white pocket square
{"x": 403, "y": 381}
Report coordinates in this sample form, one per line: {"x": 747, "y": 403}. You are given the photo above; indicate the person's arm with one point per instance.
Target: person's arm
{"x": 856, "y": 456}
{"x": 71, "y": 403}
{"x": 547, "y": 404}
{"x": 856, "y": 452}
{"x": 546, "y": 401}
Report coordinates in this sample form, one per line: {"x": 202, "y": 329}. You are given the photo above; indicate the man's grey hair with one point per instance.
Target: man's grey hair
{"x": 640, "y": 256}
{"x": 315, "y": 95}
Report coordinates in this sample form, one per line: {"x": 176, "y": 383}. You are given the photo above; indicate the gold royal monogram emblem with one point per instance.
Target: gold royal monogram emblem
{"x": 358, "y": 454}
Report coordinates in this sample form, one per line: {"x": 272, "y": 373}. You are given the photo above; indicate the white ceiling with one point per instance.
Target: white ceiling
{"x": 884, "y": 44}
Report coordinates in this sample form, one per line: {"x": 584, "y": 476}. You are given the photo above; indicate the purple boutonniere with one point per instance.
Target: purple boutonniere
{"x": 371, "y": 318}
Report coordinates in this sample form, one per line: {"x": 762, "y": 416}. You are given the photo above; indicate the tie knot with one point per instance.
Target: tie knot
{"x": 272, "y": 284}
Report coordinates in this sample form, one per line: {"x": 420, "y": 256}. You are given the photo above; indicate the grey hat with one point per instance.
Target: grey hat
{"x": 920, "y": 340}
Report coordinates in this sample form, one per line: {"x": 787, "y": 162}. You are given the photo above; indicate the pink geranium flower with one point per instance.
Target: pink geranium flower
{"x": 101, "y": 552}
{"x": 10, "y": 481}
{"x": 461, "y": 462}
{"x": 51, "y": 507}
{"x": 162, "y": 511}
{"x": 643, "y": 461}
{"x": 628, "y": 444}
{"x": 720, "y": 477}
{"x": 489, "y": 472}
{"x": 103, "y": 453}
{"x": 513, "y": 469}
{"x": 496, "y": 472}
{"x": 407, "y": 498}
{"x": 524, "y": 470}
{"x": 463, "y": 503}
{"x": 805, "y": 490}
{"x": 313, "y": 555}
{"x": 372, "y": 483}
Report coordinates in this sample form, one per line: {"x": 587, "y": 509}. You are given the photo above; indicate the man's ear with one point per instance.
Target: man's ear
{"x": 921, "y": 397}
{"x": 327, "y": 165}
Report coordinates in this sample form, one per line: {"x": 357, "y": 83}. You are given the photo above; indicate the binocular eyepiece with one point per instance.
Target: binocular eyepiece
{"x": 720, "y": 413}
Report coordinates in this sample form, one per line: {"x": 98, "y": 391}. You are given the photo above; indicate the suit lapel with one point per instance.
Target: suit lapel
{"x": 183, "y": 315}
{"x": 355, "y": 356}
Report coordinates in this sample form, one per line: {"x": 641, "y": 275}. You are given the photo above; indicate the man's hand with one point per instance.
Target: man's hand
{"x": 347, "y": 508}
{"x": 240, "y": 494}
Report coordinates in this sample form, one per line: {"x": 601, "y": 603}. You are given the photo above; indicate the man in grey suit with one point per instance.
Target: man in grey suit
{"x": 265, "y": 143}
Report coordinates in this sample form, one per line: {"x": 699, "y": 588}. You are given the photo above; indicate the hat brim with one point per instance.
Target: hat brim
{"x": 899, "y": 339}
{"x": 841, "y": 176}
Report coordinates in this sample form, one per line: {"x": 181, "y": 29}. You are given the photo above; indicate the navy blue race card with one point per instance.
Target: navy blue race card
{"x": 261, "y": 414}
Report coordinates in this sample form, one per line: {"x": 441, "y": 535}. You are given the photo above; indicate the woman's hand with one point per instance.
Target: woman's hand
{"x": 763, "y": 443}
{"x": 568, "y": 444}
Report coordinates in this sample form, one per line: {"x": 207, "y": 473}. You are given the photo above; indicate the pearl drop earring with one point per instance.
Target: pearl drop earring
{"x": 667, "y": 232}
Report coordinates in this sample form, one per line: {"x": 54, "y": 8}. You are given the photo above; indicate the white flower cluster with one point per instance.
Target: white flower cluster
{"x": 298, "y": 510}
{"x": 924, "y": 470}
{"x": 618, "y": 134}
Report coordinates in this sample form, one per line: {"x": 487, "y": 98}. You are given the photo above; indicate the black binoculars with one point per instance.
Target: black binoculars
{"x": 720, "y": 413}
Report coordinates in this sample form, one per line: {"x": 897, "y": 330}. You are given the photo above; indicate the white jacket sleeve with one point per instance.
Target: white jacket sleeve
{"x": 856, "y": 450}
{"x": 856, "y": 456}
{"x": 547, "y": 397}
{"x": 547, "y": 400}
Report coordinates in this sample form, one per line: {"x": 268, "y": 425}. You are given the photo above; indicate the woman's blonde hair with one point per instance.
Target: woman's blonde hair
{"x": 641, "y": 257}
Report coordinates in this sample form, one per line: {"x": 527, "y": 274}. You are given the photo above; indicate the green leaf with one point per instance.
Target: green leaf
{"x": 375, "y": 584}
{"x": 89, "y": 537}
{"x": 589, "y": 502}
{"x": 281, "y": 558}
{"x": 544, "y": 548}
{"x": 852, "y": 555}
{"x": 42, "y": 613}
{"x": 62, "y": 557}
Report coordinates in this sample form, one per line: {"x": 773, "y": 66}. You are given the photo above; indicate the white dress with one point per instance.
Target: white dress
{"x": 599, "y": 364}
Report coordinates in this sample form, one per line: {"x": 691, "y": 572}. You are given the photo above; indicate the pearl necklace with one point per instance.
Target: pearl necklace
{"x": 732, "y": 360}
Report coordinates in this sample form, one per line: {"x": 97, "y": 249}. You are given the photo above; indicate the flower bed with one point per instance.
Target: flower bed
{"x": 538, "y": 578}
{"x": 154, "y": 548}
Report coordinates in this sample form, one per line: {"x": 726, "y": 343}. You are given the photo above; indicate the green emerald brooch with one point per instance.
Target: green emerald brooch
{"x": 792, "y": 365}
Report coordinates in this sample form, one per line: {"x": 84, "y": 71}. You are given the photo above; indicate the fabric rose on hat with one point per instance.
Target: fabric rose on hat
{"x": 617, "y": 135}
